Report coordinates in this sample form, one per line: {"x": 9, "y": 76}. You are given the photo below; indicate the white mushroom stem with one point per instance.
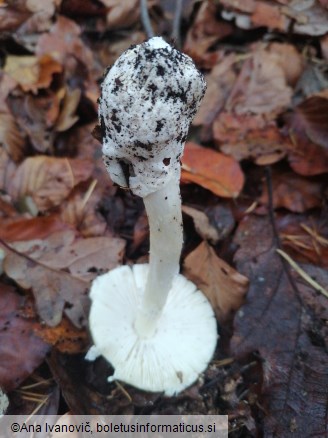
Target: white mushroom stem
{"x": 166, "y": 237}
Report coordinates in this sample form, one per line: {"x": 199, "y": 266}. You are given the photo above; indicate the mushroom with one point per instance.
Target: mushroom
{"x": 152, "y": 324}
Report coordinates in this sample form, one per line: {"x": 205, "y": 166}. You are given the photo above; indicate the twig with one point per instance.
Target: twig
{"x": 176, "y": 24}
{"x": 302, "y": 273}
{"x": 145, "y": 19}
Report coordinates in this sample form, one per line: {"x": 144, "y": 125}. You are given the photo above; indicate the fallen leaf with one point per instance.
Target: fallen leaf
{"x": 313, "y": 117}
{"x": 54, "y": 291}
{"x": 250, "y": 137}
{"x": 19, "y": 229}
{"x": 261, "y": 87}
{"x": 11, "y": 138}
{"x": 214, "y": 171}
{"x": 21, "y": 351}
{"x": 49, "y": 180}
{"x": 293, "y": 192}
{"x": 63, "y": 41}
{"x": 65, "y": 337}
{"x": 205, "y": 31}
{"x": 121, "y": 14}
{"x": 31, "y": 72}
{"x": 67, "y": 117}
{"x": 202, "y": 224}
{"x": 223, "y": 286}
{"x": 278, "y": 323}
{"x": 220, "y": 82}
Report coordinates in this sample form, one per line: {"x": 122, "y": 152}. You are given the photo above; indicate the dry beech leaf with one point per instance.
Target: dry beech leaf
{"x": 202, "y": 224}
{"x": 220, "y": 82}
{"x": 212, "y": 170}
{"x": 28, "y": 229}
{"x": 54, "y": 291}
{"x": 121, "y": 14}
{"x": 7, "y": 170}
{"x": 205, "y": 31}
{"x": 11, "y": 137}
{"x": 223, "y": 285}
{"x": 31, "y": 72}
{"x": 250, "y": 137}
{"x": 64, "y": 40}
{"x": 293, "y": 192}
{"x": 49, "y": 180}
{"x": 21, "y": 351}
{"x": 261, "y": 87}
{"x": 84, "y": 258}
{"x": 67, "y": 117}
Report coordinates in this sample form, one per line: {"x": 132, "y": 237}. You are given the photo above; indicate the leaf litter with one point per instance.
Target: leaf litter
{"x": 253, "y": 182}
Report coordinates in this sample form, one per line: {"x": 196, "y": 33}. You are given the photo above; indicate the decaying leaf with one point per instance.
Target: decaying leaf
{"x": 49, "y": 180}
{"x": 31, "y": 72}
{"x": 282, "y": 324}
{"x": 10, "y": 137}
{"x": 261, "y": 87}
{"x": 212, "y": 170}
{"x": 294, "y": 192}
{"x": 223, "y": 285}
{"x": 54, "y": 291}
{"x": 249, "y": 136}
{"x": 202, "y": 224}
{"x": 21, "y": 351}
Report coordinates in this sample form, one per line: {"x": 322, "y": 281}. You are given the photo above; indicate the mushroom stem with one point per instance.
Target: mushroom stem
{"x": 163, "y": 208}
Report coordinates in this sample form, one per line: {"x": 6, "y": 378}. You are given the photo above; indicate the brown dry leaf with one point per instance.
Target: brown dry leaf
{"x": 289, "y": 59}
{"x": 313, "y": 117}
{"x": 66, "y": 338}
{"x": 204, "y": 32}
{"x": 223, "y": 285}
{"x": 214, "y": 171}
{"x": 202, "y": 224}
{"x": 261, "y": 87}
{"x": 11, "y": 16}
{"x": 293, "y": 192}
{"x": 306, "y": 17}
{"x": 10, "y": 137}
{"x": 54, "y": 291}
{"x": 80, "y": 211}
{"x": 31, "y": 72}
{"x": 121, "y": 14}
{"x": 7, "y": 170}
{"x": 250, "y": 136}
{"x": 21, "y": 351}
{"x": 220, "y": 82}
{"x": 40, "y": 227}
{"x": 67, "y": 117}
{"x": 49, "y": 180}
{"x": 64, "y": 41}
{"x": 84, "y": 258}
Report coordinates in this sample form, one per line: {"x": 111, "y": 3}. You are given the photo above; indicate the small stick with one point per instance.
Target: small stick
{"x": 176, "y": 36}
{"x": 302, "y": 273}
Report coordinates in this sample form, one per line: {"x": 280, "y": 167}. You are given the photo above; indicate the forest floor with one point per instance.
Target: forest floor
{"x": 255, "y": 207}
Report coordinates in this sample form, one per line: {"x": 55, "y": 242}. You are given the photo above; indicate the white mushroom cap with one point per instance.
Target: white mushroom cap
{"x": 175, "y": 355}
{"x": 148, "y": 100}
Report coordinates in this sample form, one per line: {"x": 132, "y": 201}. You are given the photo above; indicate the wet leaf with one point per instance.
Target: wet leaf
{"x": 224, "y": 286}
{"x": 21, "y": 351}
{"x": 214, "y": 171}
{"x": 279, "y": 323}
